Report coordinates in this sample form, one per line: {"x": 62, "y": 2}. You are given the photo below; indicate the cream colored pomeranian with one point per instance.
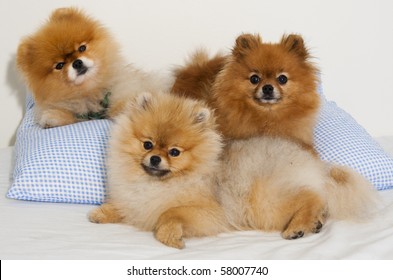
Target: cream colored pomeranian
{"x": 163, "y": 155}
{"x": 273, "y": 184}
{"x": 167, "y": 174}
{"x": 75, "y": 71}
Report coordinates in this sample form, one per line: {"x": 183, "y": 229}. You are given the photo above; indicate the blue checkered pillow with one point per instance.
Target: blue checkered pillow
{"x": 340, "y": 139}
{"x": 63, "y": 164}
{"x": 67, "y": 164}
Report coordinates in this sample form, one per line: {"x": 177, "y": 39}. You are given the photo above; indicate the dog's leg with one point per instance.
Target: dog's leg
{"x": 56, "y": 117}
{"x": 309, "y": 214}
{"x": 189, "y": 221}
{"x": 104, "y": 214}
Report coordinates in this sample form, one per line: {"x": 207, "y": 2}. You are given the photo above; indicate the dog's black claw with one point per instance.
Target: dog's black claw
{"x": 297, "y": 235}
{"x": 318, "y": 228}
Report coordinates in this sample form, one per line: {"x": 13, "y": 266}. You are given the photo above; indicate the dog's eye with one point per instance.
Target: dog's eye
{"x": 82, "y": 48}
{"x": 254, "y": 79}
{"x": 59, "y": 65}
{"x": 174, "y": 152}
{"x": 148, "y": 145}
{"x": 282, "y": 79}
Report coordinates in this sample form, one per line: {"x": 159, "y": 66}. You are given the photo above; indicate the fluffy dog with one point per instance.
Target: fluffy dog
{"x": 266, "y": 102}
{"x": 273, "y": 184}
{"x": 167, "y": 174}
{"x": 258, "y": 89}
{"x": 75, "y": 71}
{"x": 163, "y": 154}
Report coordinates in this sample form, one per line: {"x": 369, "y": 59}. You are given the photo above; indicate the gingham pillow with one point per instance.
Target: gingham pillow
{"x": 340, "y": 139}
{"x": 62, "y": 164}
{"x": 67, "y": 164}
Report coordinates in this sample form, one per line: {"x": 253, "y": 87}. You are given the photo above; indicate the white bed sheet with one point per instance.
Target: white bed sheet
{"x": 31, "y": 230}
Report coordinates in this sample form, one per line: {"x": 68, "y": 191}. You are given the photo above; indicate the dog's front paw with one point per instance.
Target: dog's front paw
{"x": 293, "y": 235}
{"x": 53, "y": 118}
{"x": 97, "y": 216}
{"x": 170, "y": 234}
{"x": 104, "y": 214}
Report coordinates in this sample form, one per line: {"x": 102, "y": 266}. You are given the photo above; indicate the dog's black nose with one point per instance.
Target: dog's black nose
{"x": 79, "y": 67}
{"x": 77, "y": 64}
{"x": 268, "y": 89}
{"x": 155, "y": 161}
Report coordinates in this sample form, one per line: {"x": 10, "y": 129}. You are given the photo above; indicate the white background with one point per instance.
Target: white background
{"x": 277, "y": 270}
{"x": 352, "y": 41}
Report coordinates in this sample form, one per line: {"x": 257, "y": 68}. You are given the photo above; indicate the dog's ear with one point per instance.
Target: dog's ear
{"x": 246, "y": 43}
{"x": 202, "y": 115}
{"x": 143, "y": 100}
{"x": 64, "y": 13}
{"x": 25, "y": 55}
{"x": 295, "y": 43}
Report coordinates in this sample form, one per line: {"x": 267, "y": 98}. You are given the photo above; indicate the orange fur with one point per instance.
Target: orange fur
{"x": 224, "y": 82}
{"x": 339, "y": 175}
{"x": 273, "y": 184}
{"x": 167, "y": 185}
{"x": 199, "y": 191}
{"x": 295, "y": 214}
{"x": 58, "y": 41}
{"x": 70, "y": 64}
{"x": 189, "y": 221}
{"x": 266, "y": 101}
{"x": 196, "y": 79}
{"x": 105, "y": 214}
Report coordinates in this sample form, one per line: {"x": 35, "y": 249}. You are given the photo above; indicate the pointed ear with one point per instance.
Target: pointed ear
{"x": 295, "y": 43}
{"x": 63, "y": 13}
{"x": 143, "y": 100}
{"x": 25, "y": 55}
{"x": 202, "y": 115}
{"x": 246, "y": 43}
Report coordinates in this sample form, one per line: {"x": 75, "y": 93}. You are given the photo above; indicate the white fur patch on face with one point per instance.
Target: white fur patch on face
{"x": 272, "y": 98}
{"x": 155, "y": 165}
{"x": 78, "y": 79}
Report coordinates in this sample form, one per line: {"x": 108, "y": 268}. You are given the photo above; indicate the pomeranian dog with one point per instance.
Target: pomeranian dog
{"x": 273, "y": 184}
{"x": 266, "y": 103}
{"x": 163, "y": 154}
{"x": 167, "y": 173}
{"x": 75, "y": 71}
{"x": 258, "y": 89}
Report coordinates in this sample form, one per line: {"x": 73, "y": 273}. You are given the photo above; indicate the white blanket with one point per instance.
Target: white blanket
{"x": 31, "y": 230}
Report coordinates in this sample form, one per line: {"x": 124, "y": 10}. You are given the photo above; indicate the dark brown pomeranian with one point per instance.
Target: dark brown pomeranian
{"x": 258, "y": 89}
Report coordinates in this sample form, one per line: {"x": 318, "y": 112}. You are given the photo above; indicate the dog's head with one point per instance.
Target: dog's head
{"x": 267, "y": 75}
{"x": 70, "y": 54}
{"x": 166, "y": 136}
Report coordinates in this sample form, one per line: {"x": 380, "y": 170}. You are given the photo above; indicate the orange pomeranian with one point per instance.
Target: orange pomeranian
{"x": 259, "y": 89}
{"x": 163, "y": 155}
{"x": 74, "y": 69}
{"x": 266, "y": 102}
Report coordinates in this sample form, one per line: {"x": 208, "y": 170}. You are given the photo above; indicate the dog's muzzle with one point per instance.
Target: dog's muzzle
{"x": 79, "y": 67}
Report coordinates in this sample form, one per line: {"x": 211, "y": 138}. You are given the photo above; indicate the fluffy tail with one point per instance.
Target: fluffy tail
{"x": 196, "y": 78}
{"x": 350, "y": 195}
